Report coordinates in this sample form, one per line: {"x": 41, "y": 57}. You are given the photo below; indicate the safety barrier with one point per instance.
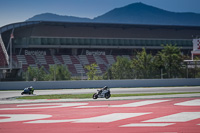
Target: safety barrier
{"x": 99, "y": 83}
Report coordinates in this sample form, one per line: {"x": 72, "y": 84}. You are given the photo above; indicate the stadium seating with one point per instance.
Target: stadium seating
{"x": 75, "y": 64}
{"x": 74, "y": 60}
{"x": 58, "y": 59}
{"x": 104, "y": 59}
{"x": 79, "y": 68}
{"x": 22, "y": 59}
{"x": 3, "y": 54}
{"x": 110, "y": 59}
{"x": 83, "y": 59}
{"x": 41, "y": 59}
{"x": 92, "y": 59}
{"x": 72, "y": 68}
{"x": 65, "y": 59}
{"x": 30, "y": 60}
{"x": 103, "y": 68}
{"x": 49, "y": 60}
{"x": 2, "y": 58}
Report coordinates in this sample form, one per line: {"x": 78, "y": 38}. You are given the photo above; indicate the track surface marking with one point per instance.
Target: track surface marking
{"x": 180, "y": 115}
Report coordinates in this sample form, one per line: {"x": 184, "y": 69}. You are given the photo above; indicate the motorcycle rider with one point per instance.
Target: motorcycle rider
{"x": 31, "y": 89}
{"x": 104, "y": 88}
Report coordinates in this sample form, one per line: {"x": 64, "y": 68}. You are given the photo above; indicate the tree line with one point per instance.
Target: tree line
{"x": 56, "y": 72}
{"x": 167, "y": 63}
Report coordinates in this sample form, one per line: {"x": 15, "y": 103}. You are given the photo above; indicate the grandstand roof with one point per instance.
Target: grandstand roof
{"x": 95, "y": 25}
{"x": 101, "y": 34}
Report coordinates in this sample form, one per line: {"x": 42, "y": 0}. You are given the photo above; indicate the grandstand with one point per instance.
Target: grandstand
{"x": 75, "y": 45}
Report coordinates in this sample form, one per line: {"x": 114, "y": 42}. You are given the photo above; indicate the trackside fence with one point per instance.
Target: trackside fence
{"x": 99, "y": 83}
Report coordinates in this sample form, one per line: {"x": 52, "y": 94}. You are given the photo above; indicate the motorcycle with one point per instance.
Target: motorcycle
{"x": 28, "y": 90}
{"x": 103, "y": 93}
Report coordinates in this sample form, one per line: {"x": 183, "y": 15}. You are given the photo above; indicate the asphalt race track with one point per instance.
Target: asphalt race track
{"x": 7, "y": 94}
{"x": 170, "y": 115}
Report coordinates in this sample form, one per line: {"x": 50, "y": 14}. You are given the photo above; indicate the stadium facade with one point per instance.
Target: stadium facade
{"x": 75, "y": 45}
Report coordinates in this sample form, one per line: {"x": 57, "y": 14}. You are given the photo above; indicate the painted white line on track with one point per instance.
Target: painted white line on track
{"x": 54, "y": 105}
{"x": 109, "y": 118}
{"x": 51, "y": 121}
{"x": 195, "y": 102}
{"x": 141, "y": 103}
{"x": 22, "y": 117}
{"x": 179, "y": 117}
{"x": 135, "y": 104}
{"x": 100, "y": 106}
{"x": 38, "y": 104}
{"x": 98, "y": 119}
{"x": 147, "y": 125}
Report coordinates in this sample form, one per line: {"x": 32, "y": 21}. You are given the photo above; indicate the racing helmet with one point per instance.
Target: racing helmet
{"x": 105, "y": 87}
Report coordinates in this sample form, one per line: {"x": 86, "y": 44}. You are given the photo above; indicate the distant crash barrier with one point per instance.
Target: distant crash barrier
{"x": 98, "y": 84}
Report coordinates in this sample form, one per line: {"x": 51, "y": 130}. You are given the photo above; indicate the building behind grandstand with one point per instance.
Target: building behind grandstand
{"x": 75, "y": 45}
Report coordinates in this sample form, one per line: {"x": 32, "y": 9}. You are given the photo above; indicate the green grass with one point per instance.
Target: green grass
{"x": 84, "y": 96}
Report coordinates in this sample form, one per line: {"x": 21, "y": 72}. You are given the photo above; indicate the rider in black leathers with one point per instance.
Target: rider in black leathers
{"x": 104, "y": 88}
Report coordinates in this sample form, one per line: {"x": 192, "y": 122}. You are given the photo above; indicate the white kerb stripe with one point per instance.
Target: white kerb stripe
{"x": 51, "y": 121}
{"x": 53, "y": 105}
{"x": 22, "y": 117}
{"x": 195, "y": 102}
{"x": 147, "y": 125}
{"x": 180, "y": 117}
{"x": 135, "y": 104}
{"x": 99, "y": 119}
{"x": 109, "y": 118}
{"x": 141, "y": 103}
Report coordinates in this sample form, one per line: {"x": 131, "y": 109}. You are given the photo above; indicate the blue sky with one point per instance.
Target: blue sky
{"x": 12, "y": 11}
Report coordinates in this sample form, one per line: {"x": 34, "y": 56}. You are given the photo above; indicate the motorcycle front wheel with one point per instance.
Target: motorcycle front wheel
{"x": 95, "y": 96}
